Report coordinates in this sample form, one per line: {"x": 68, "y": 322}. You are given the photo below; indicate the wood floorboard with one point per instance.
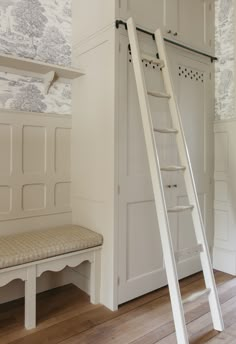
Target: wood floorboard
{"x": 226, "y": 337}
{"x": 65, "y": 316}
{"x": 52, "y": 313}
{"x": 155, "y": 315}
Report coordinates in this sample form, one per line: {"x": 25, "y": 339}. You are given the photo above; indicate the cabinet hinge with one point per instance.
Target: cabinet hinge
{"x": 118, "y": 189}
{"x": 119, "y": 47}
{"x": 210, "y": 7}
{"x": 210, "y": 76}
{"x": 119, "y": 3}
{"x": 118, "y": 280}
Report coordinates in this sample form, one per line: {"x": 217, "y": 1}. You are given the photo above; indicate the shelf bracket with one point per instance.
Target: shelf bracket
{"x": 49, "y": 78}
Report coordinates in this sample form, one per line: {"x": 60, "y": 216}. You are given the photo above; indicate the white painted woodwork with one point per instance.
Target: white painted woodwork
{"x": 166, "y": 130}
{"x": 157, "y": 184}
{"x": 197, "y": 218}
{"x": 197, "y": 296}
{"x": 158, "y": 94}
{"x": 35, "y": 155}
{"x": 35, "y": 179}
{"x": 152, "y": 59}
{"x": 188, "y": 252}
{"x": 158, "y": 190}
{"x": 94, "y": 184}
{"x": 151, "y": 14}
{"x": 30, "y": 271}
{"x": 195, "y": 99}
{"x": 186, "y": 21}
{"x": 30, "y": 298}
{"x": 173, "y": 168}
{"x": 224, "y": 251}
{"x": 111, "y": 186}
{"x": 195, "y": 23}
{"x": 138, "y": 273}
{"x": 48, "y": 80}
{"x": 143, "y": 273}
{"x": 92, "y": 16}
{"x": 180, "y": 208}
{"x": 19, "y": 65}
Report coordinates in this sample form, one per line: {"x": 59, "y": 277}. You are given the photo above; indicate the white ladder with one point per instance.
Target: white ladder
{"x": 162, "y": 212}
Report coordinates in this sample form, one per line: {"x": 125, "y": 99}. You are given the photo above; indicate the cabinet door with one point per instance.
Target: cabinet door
{"x": 151, "y": 14}
{"x": 194, "y": 92}
{"x": 141, "y": 267}
{"x": 140, "y": 252}
{"x": 195, "y": 23}
{"x": 187, "y": 21}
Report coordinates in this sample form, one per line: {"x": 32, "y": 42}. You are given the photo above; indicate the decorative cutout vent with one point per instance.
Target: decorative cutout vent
{"x": 190, "y": 73}
{"x": 145, "y": 63}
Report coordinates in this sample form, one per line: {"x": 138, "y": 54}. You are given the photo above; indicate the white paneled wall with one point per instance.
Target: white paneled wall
{"x": 35, "y": 165}
{"x": 224, "y": 252}
{"x": 35, "y": 182}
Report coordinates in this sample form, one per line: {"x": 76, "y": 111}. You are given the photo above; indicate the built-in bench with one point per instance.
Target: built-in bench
{"x": 27, "y": 255}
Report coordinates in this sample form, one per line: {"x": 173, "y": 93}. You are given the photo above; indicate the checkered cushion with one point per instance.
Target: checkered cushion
{"x": 16, "y": 249}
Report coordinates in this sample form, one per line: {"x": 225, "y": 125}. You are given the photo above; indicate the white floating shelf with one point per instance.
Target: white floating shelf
{"x": 16, "y": 64}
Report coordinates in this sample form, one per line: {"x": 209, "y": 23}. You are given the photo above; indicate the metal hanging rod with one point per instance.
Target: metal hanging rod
{"x": 213, "y": 58}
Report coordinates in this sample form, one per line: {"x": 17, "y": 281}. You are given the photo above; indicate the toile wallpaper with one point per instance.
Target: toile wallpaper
{"x": 41, "y": 30}
{"x": 224, "y": 67}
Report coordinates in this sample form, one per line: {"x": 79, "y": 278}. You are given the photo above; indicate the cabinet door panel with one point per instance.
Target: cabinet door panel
{"x": 141, "y": 267}
{"x": 194, "y": 23}
{"x": 140, "y": 252}
{"x": 151, "y": 14}
{"x": 194, "y": 95}
{"x": 188, "y": 21}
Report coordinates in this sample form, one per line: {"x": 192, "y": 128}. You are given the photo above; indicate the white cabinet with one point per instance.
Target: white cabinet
{"x": 141, "y": 267}
{"x": 195, "y": 24}
{"x": 151, "y": 14}
{"x": 189, "y": 22}
{"x": 111, "y": 185}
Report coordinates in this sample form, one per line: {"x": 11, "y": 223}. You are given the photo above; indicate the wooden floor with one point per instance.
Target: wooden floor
{"x": 65, "y": 316}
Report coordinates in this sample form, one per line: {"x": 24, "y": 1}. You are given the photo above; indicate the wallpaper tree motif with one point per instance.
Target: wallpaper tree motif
{"x": 41, "y": 30}
{"x": 224, "y": 67}
{"x": 30, "y": 20}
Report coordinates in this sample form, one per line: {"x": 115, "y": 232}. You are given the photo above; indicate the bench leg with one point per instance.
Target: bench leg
{"x": 30, "y": 298}
{"x": 95, "y": 278}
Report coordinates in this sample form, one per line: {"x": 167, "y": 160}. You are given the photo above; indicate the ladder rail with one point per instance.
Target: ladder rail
{"x": 191, "y": 190}
{"x": 154, "y": 164}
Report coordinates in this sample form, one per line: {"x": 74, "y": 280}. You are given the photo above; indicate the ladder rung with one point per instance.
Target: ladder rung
{"x": 166, "y": 130}
{"x": 196, "y": 296}
{"x": 173, "y": 168}
{"x": 188, "y": 252}
{"x": 153, "y": 60}
{"x": 159, "y": 94}
{"x": 180, "y": 208}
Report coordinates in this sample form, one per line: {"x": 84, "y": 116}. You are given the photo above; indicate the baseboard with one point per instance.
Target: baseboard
{"x": 189, "y": 267}
{"x": 224, "y": 260}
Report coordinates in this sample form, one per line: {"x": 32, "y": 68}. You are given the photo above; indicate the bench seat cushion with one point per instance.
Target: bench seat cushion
{"x": 21, "y": 248}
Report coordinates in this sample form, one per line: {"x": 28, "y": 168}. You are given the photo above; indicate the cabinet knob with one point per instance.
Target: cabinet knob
{"x": 175, "y": 33}
{"x": 169, "y": 31}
